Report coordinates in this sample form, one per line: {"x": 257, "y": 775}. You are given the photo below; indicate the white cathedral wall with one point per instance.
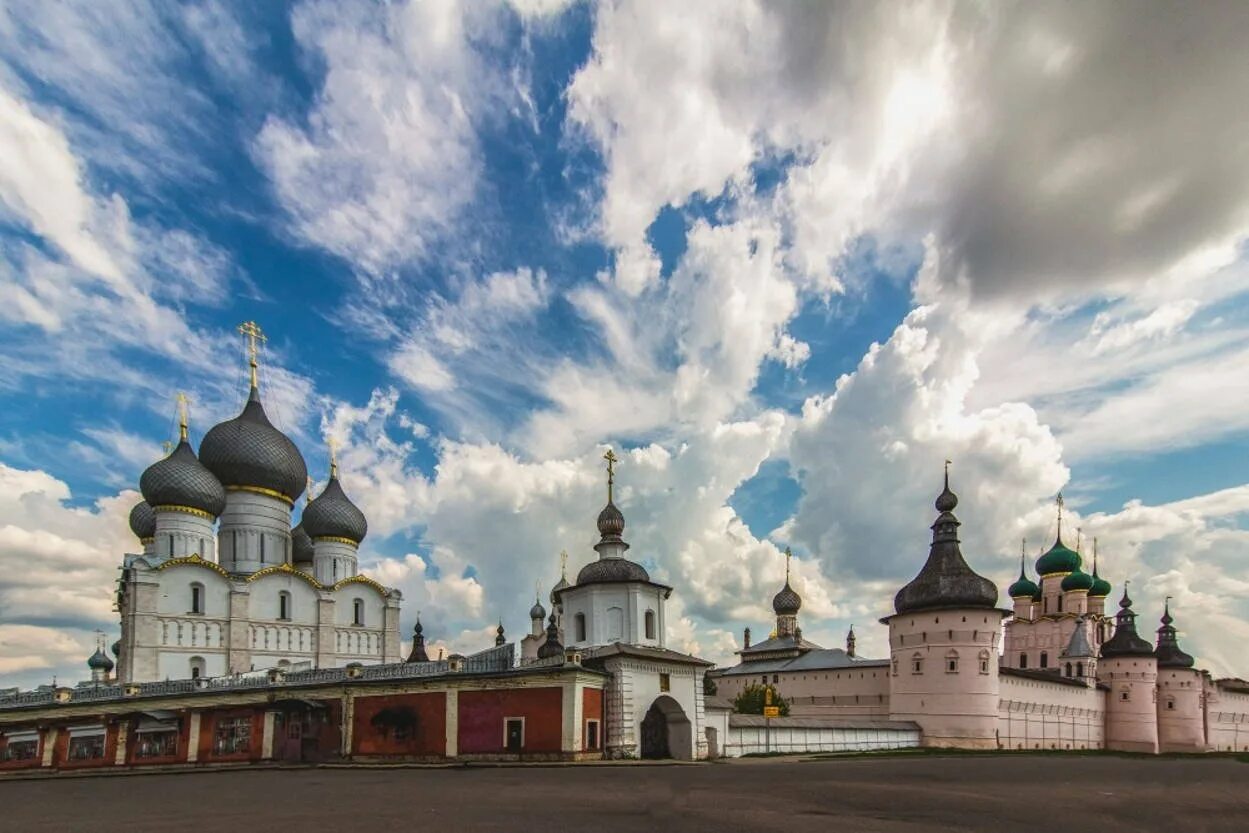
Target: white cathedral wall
{"x": 174, "y": 597}
{"x": 266, "y": 594}
{"x": 1035, "y": 714}
{"x": 614, "y": 613}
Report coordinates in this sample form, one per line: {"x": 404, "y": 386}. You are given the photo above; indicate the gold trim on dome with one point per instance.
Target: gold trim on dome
{"x": 336, "y": 540}
{"x": 1056, "y": 575}
{"x": 361, "y": 579}
{"x": 190, "y": 510}
{"x": 192, "y": 560}
{"x": 261, "y": 490}
{"x": 286, "y": 569}
{"x": 145, "y": 541}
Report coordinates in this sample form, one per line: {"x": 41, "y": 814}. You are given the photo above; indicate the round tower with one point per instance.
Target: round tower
{"x": 943, "y": 644}
{"x": 185, "y": 500}
{"x": 336, "y": 527}
{"x": 263, "y": 474}
{"x": 1181, "y": 724}
{"x": 1130, "y": 669}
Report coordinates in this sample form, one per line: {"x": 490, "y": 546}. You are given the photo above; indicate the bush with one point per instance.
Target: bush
{"x": 753, "y": 698}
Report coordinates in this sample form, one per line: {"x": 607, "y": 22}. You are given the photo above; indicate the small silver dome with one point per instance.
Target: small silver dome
{"x": 182, "y": 480}
{"x": 143, "y": 520}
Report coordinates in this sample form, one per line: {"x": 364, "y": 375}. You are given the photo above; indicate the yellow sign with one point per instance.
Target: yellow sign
{"x": 771, "y": 711}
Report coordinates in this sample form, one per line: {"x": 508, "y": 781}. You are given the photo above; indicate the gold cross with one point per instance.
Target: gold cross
{"x": 1059, "y": 501}
{"x": 788, "y": 555}
{"x": 563, "y": 563}
{"x": 333, "y": 444}
{"x": 611, "y": 459}
{"x": 182, "y": 415}
{"x": 252, "y": 332}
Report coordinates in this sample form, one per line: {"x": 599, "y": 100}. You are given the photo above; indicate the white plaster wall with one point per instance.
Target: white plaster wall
{"x": 248, "y": 518}
{"x": 1131, "y": 706}
{"x": 174, "y": 595}
{"x": 1227, "y": 719}
{"x": 1181, "y": 723}
{"x": 1035, "y": 714}
{"x": 179, "y": 534}
{"x": 333, "y": 561}
{"x": 792, "y": 740}
{"x": 265, "y": 604}
{"x": 175, "y": 664}
{"x": 596, "y": 600}
{"x": 843, "y": 692}
{"x": 344, "y": 604}
{"x": 638, "y": 683}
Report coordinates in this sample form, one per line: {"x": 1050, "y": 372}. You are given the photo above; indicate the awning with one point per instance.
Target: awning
{"x": 21, "y": 737}
{"x": 94, "y": 731}
{"x": 160, "y": 714}
{"x": 149, "y": 726}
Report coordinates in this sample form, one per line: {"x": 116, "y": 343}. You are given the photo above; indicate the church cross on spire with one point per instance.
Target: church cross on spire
{"x": 563, "y": 564}
{"x": 333, "y": 444}
{"x": 611, "y": 459}
{"x": 788, "y": 555}
{"x": 1059, "y": 501}
{"x": 1023, "y": 554}
{"x": 182, "y": 416}
{"x": 948, "y": 463}
{"x": 251, "y": 331}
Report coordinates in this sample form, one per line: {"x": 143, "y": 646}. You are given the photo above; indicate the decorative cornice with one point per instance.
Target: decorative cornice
{"x": 286, "y": 569}
{"x": 336, "y": 540}
{"x": 261, "y": 490}
{"x": 361, "y": 579}
{"x": 190, "y": 510}
{"x": 192, "y": 560}
{"x": 1056, "y": 575}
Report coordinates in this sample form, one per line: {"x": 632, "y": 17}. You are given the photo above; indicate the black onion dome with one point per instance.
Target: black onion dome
{"x": 787, "y": 602}
{"x": 301, "y": 545}
{"x": 537, "y": 612}
{"x": 610, "y": 522}
{"x": 551, "y": 647}
{"x": 332, "y": 515}
{"x": 182, "y": 480}
{"x": 1168, "y": 652}
{"x": 1126, "y": 642}
{"x": 945, "y": 579}
{"x": 117, "y": 649}
{"x": 611, "y": 570}
{"x": 249, "y": 451}
{"x": 99, "y": 661}
{"x": 143, "y": 520}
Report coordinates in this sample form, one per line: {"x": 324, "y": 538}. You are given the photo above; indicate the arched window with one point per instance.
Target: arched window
{"x": 1023, "y": 660}
{"x": 579, "y": 621}
{"x": 284, "y": 605}
{"x": 650, "y": 624}
{"x": 1045, "y": 605}
{"x": 197, "y": 667}
{"x": 984, "y": 661}
{"x": 197, "y": 598}
{"x": 1068, "y": 669}
{"x": 1079, "y": 669}
{"x": 951, "y": 662}
{"x": 262, "y": 549}
{"x": 357, "y": 612}
{"x": 917, "y": 663}
{"x": 1060, "y": 604}
{"x": 1045, "y": 660}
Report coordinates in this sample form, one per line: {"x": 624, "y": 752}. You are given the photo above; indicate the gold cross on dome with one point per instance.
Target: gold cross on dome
{"x": 251, "y": 331}
{"x": 563, "y": 563}
{"x": 611, "y": 459}
{"x": 333, "y": 444}
{"x": 788, "y": 556}
{"x": 183, "y": 402}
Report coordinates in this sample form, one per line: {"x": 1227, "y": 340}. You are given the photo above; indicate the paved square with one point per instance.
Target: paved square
{"x": 970, "y": 793}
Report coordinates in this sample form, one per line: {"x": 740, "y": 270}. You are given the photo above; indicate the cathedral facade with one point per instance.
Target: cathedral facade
{"x": 224, "y": 583}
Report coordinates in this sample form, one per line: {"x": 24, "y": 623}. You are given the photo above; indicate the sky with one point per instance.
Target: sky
{"x": 784, "y": 258}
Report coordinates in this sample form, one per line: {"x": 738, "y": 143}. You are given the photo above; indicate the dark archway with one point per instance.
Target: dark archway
{"x": 666, "y": 731}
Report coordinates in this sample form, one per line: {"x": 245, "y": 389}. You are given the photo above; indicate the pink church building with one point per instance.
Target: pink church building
{"x": 1053, "y": 671}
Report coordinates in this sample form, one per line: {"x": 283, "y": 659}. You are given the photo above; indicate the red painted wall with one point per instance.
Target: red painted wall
{"x": 29, "y": 764}
{"x": 482, "y": 713}
{"x": 208, "y": 732}
{"x": 429, "y": 738}
{"x": 60, "y": 757}
{"x": 592, "y": 709}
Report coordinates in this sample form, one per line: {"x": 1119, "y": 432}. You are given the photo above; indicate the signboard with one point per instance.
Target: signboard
{"x": 771, "y": 711}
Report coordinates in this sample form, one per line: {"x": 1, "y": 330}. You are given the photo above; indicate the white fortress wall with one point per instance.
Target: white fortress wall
{"x": 1039, "y": 714}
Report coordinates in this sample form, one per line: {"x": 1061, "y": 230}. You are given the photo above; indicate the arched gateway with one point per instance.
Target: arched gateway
{"x": 666, "y": 731}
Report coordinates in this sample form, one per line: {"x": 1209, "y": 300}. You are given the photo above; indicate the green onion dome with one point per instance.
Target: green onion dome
{"x": 1077, "y": 580}
{"x": 1024, "y": 586}
{"x": 1101, "y": 587}
{"x": 1059, "y": 559}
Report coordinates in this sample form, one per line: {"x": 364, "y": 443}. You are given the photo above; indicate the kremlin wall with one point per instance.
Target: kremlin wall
{"x": 244, "y": 638}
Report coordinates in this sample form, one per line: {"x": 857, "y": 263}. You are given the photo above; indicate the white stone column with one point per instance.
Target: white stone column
{"x": 123, "y": 737}
{"x": 266, "y": 741}
{"x": 192, "y": 738}
{"x": 453, "y": 723}
{"x": 49, "y": 746}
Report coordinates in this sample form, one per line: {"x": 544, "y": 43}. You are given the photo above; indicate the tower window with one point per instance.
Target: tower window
{"x": 917, "y": 664}
{"x": 197, "y": 598}
{"x": 1023, "y": 660}
{"x": 1045, "y": 660}
{"x": 262, "y": 549}
{"x": 951, "y": 662}
{"x": 357, "y": 612}
{"x": 579, "y": 621}
{"x": 984, "y": 662}
{"x": 284, "y": 605}
{"x": 650, "y": 624}
{"x": 1171, "y": 704}
{"x": 1060, "y": 604}
{"x": 1068, "y": 669}
{"x": 1079, "y": 669}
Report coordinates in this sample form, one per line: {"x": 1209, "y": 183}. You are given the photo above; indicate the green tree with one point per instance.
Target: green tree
{"x": 754, "y": 697}
{"x": 709, "y": 685}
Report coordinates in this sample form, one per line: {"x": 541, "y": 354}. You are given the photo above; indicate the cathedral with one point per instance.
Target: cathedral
{"x": 224, "y": 584}
{"x": 246, "y": 639}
